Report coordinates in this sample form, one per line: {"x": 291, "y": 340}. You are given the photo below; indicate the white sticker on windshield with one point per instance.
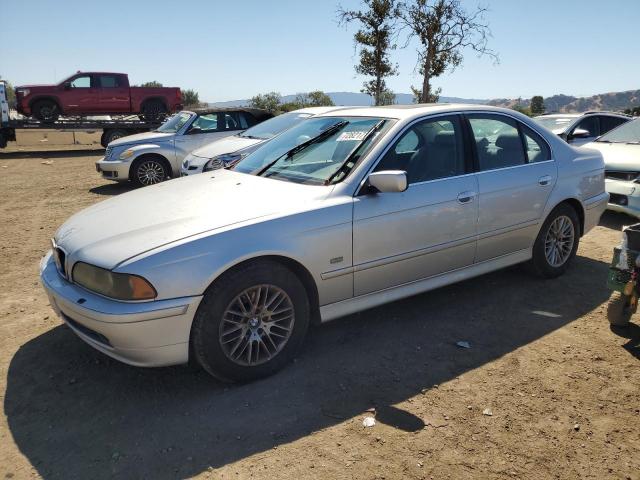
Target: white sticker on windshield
{"x": 351, "y": 136}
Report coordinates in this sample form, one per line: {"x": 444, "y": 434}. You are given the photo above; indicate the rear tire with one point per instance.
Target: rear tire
{"x": 619, "y": 310}
{"x": 45, "y": 111}
{"x": 153, "y": 111}
{"x": 251, "y": 322}
{"x": 557, "y": 243}
{"x": 149, "y": 170}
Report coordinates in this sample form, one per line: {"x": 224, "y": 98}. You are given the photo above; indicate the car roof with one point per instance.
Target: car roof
{"x": 582, "y": 114}
{"x": 256, "y": 112}
{"x": 416, "y": 110}
{"x": 319, "y": 110}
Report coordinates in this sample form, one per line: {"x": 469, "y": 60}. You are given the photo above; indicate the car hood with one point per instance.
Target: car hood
{"x": 145, "y": 137}
{"x": 112, "y": 231}
{"x": 618, "y": 156}
{"x": 225, "y": 145}
{"x": 39, "y": 85}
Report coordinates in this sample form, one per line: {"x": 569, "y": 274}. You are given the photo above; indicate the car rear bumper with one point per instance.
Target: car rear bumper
{"x": 624, "y": 197}
{"x": 144, "y": 334}
{"x": 113, "y": 169}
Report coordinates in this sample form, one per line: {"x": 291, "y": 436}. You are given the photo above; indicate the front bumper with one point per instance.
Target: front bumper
{"x": 117, "y": 170}
{"x": 624, "y": 196}
{"x": 143, "y": 334}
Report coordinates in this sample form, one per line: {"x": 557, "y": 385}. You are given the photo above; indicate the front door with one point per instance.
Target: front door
{"x": 204, "y": 129}
{"x": 428, "y": 229}
{"x": 80, "y": 95}
{"x": 515, "y": 178}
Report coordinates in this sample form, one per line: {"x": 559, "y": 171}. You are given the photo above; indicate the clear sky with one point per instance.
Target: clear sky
{"x": 233, "y": 49}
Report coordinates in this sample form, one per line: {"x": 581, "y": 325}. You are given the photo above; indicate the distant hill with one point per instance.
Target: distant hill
{"x": 615, "y": 101}
{"x": 352, "y": 98}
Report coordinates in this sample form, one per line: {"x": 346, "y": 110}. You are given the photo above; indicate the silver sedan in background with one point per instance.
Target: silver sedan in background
{"x": 376, "y": 205}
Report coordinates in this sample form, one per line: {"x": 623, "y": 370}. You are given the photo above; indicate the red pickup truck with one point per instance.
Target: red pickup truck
{"x": 96, "y": 93}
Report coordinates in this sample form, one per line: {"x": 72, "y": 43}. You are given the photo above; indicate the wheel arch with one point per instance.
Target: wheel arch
{"x": 145, "y": 155}
{"x": 296, "y": 268}
{"x": 160, "y": 99}
{"x": 39, "y": 98}
{"x": 577, "y": 207}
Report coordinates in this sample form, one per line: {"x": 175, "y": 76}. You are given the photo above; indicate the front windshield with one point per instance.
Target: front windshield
{"x": 294, "y": 156}
{"x": 174, "y": 123}
{"x": 554, "y": 123}
{"x": 274, "y": 126}
{"x": 628, "y": 132}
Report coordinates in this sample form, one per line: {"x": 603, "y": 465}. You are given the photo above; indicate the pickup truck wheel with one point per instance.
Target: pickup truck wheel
{"x": 251, "y": 322}
{"x": 148, "y": 171}
{"x": 557, "y": 242}
{"x": 45, "y": 111}
{"x": 153, "y": 111}
{"x": 110, "y": 135}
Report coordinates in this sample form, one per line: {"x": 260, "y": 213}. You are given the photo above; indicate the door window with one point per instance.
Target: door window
{"x": 232, "y": 121}
{"x": 536, "y": 148}
{"x": 498, "y": 142}
{"x": 609, "y": 123}
{"x": 81, "y": 82}
{"x": 205, "y": 124}
{"x": 109, "y": 81}
{"x": 429, "y": 150}
{"x": 590, "y": 124}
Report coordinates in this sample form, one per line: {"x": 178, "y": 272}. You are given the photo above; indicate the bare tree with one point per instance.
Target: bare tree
{"x": 375, "y": 41}
{"x": 444, "y": 29}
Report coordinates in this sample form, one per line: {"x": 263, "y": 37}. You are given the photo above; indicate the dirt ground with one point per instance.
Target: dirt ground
{"x": 563, "y": 388}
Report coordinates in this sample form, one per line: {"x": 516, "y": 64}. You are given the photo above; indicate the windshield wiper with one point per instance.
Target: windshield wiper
{"x": 635, "y": 142}
{"x": 353, "y": 152}
{"x": 298, "y": 148}
{"x": 249, "y": 136}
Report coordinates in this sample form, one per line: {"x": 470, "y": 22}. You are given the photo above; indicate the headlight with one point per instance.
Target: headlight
{"x": 121, "y": 286}
{"x": 223, "y": 161}
{"x": 24, "y": 91}
{"x": 126, "y": 154}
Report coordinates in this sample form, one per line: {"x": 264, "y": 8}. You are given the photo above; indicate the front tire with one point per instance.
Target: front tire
{"x": 149, "y": 170}
{"x": 557, "y": 242}
{"x": 251, "y": 322}
{"x": 46, "y": 111}
{"x": 619, "y": 310}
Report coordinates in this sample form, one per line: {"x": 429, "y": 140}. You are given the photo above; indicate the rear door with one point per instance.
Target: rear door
{"x": 431, "y": 227}
{"x": 80, "y": 95}
{"x": 114, "y": 93}
{"x": 516, "y": 175}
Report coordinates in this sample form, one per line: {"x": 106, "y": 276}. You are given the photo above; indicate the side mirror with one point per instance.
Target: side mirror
{"x": 580, "y": 133}
{"x": 388, "y": 181}
{"x": 194, "y": 130}
{"x": 66, "y": 85}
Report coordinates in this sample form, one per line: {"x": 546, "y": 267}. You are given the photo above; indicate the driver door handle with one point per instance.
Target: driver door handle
{"x": 466, "y": 197}
{"x": 545, "y": 180}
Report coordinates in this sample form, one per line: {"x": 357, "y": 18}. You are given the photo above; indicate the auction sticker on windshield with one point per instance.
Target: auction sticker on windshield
{"x": 352, "y": 136}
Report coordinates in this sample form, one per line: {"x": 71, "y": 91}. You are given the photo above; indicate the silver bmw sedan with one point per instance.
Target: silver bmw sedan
{"x": 343, "y": 212}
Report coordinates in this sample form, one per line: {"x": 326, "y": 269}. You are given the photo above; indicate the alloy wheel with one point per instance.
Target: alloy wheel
{"x": 256, "y": 325}
{"x": 558, "y": 243}
{"x": 150, "y": 172}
